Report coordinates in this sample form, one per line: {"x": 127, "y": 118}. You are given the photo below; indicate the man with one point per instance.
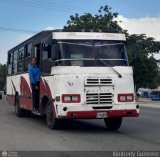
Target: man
{"x": 34, "y": 73}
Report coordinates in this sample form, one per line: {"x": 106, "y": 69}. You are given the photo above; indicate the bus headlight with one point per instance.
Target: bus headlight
{"x": 71, "y": 98}
{"x": 128, "y": 97}
{"x": 66, "y": 98}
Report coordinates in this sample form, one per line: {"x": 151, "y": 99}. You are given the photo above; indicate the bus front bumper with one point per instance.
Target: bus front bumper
{"x": 93, "y": 114}
{"x": 89, "y": 113}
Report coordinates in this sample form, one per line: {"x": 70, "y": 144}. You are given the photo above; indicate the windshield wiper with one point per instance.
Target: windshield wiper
{"x": 103, "y": 62}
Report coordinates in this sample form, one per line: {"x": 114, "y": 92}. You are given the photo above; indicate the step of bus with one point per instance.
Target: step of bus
{"x": 36, "y": 113}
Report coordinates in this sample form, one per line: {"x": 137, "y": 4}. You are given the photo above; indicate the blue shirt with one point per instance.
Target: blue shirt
{"x": 34, "y": 73}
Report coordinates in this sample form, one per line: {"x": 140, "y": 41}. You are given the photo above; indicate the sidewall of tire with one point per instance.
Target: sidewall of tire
{"x": 52, "y": 121}
{"x": 113, "y": 124}
{"x": 19, "y": 112}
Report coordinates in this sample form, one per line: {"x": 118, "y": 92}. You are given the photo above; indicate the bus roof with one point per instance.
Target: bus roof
{"x": 88, "y": 36}
{"x": 38, "y": 35}
{"x": 64, "y": 35}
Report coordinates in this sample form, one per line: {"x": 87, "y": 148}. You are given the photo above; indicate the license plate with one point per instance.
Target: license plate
{"x": 101, "y": 115}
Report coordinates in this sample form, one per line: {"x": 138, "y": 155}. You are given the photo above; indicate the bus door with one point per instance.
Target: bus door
{"x": 37, "y": 52}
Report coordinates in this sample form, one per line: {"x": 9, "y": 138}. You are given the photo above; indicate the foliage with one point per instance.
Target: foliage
{"x": 103, "y": 20}
{"x": 140, "y": 48}
{"x": 2, "y": 76}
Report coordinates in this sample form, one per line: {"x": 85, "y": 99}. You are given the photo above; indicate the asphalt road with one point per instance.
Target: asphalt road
{"x": 32, "y": 133}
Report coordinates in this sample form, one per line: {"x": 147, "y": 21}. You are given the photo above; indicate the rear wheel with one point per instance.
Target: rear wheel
{"x": 19, "y": 111}
{"x": 28, "y": 113}
{"x": 113, "y": 124}
{"x": 52, "y": 121}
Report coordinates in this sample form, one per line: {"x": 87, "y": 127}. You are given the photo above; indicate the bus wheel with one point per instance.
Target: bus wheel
{"x": 52, "y": 122}
{"x": 28, "y": 113}
{"x": 19, "y": 111}
{"x": 113, "y": 124}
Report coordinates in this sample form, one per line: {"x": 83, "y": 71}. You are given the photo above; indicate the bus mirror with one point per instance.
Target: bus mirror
{"x": 55, "y": 50}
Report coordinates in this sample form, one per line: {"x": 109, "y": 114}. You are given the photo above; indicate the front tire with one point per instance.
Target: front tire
{"x": 52, "y": 121}
{"x": 19, "y": 111}
{"x": 113, "y": 124}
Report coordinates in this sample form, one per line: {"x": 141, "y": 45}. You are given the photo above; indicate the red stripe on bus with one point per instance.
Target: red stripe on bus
{"x": 49, "y": 94}
{"x": 24, "y": 87}
{"x": 13, "y": 86}
{"x": 93, "y": 114}
{"x": 43, "y": 90}
{"x": 48, "y": 89}
{"x": 10, "y": 99}
{"x": 26, "y": 103}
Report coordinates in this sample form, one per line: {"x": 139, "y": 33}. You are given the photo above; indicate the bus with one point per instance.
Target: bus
{"x": 84, "y": 75}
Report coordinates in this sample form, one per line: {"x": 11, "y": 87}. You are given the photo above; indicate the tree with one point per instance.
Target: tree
{"x": 140, "y": 48}
{"x": 2, "y": 76}
{"x": 104, "y": 19}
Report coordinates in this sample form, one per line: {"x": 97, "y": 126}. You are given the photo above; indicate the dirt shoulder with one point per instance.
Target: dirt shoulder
{"x": 148, "y": 103}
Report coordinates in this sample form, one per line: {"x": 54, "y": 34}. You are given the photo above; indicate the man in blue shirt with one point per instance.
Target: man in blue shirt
{"x": 34, "y": 73}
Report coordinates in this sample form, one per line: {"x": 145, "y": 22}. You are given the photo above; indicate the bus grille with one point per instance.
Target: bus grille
{"x": 98, "y": 81}
{"x": 99, "y": 98}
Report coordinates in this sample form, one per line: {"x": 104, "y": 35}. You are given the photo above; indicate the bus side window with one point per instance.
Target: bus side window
{"x": 15, "y": 59}
{"x": 10, "y": 61}
{"x": 36, "y": 53}
{"x": 46, "y": 59}
{"x": 20, "y": 60}
{"x": 55, "y": 53}
{"x": 28, "y": 53}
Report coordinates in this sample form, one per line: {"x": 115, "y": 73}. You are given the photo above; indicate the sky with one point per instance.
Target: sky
{"x": 138, "y": 16}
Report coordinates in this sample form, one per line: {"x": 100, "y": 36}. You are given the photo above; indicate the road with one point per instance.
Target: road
{"x": 32, "y": 134}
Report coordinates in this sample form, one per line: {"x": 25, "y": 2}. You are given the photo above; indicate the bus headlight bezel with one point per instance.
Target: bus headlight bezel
{"x": 126, "y": 97}
{"x": 71, "y": 98}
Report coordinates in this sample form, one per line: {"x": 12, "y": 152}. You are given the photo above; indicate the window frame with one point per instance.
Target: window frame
{"x": 15, "y": 62}
{"x": 21, "y": 49}
{"x": 26, "y": 50}
{"x": 10, "y": 63}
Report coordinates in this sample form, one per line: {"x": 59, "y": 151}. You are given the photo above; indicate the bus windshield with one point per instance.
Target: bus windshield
{"x": 89, "y": 53}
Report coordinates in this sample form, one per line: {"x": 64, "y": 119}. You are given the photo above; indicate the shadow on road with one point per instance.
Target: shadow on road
{"x": 92, "y": 126}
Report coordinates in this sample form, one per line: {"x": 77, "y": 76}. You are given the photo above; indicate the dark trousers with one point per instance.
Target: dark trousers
{"x": 35, "y": 95}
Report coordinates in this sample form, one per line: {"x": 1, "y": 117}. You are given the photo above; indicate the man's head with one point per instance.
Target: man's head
{"x": 34, "y": 61}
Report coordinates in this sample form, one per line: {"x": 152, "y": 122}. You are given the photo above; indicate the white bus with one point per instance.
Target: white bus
{"x": 84, "y": 75}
